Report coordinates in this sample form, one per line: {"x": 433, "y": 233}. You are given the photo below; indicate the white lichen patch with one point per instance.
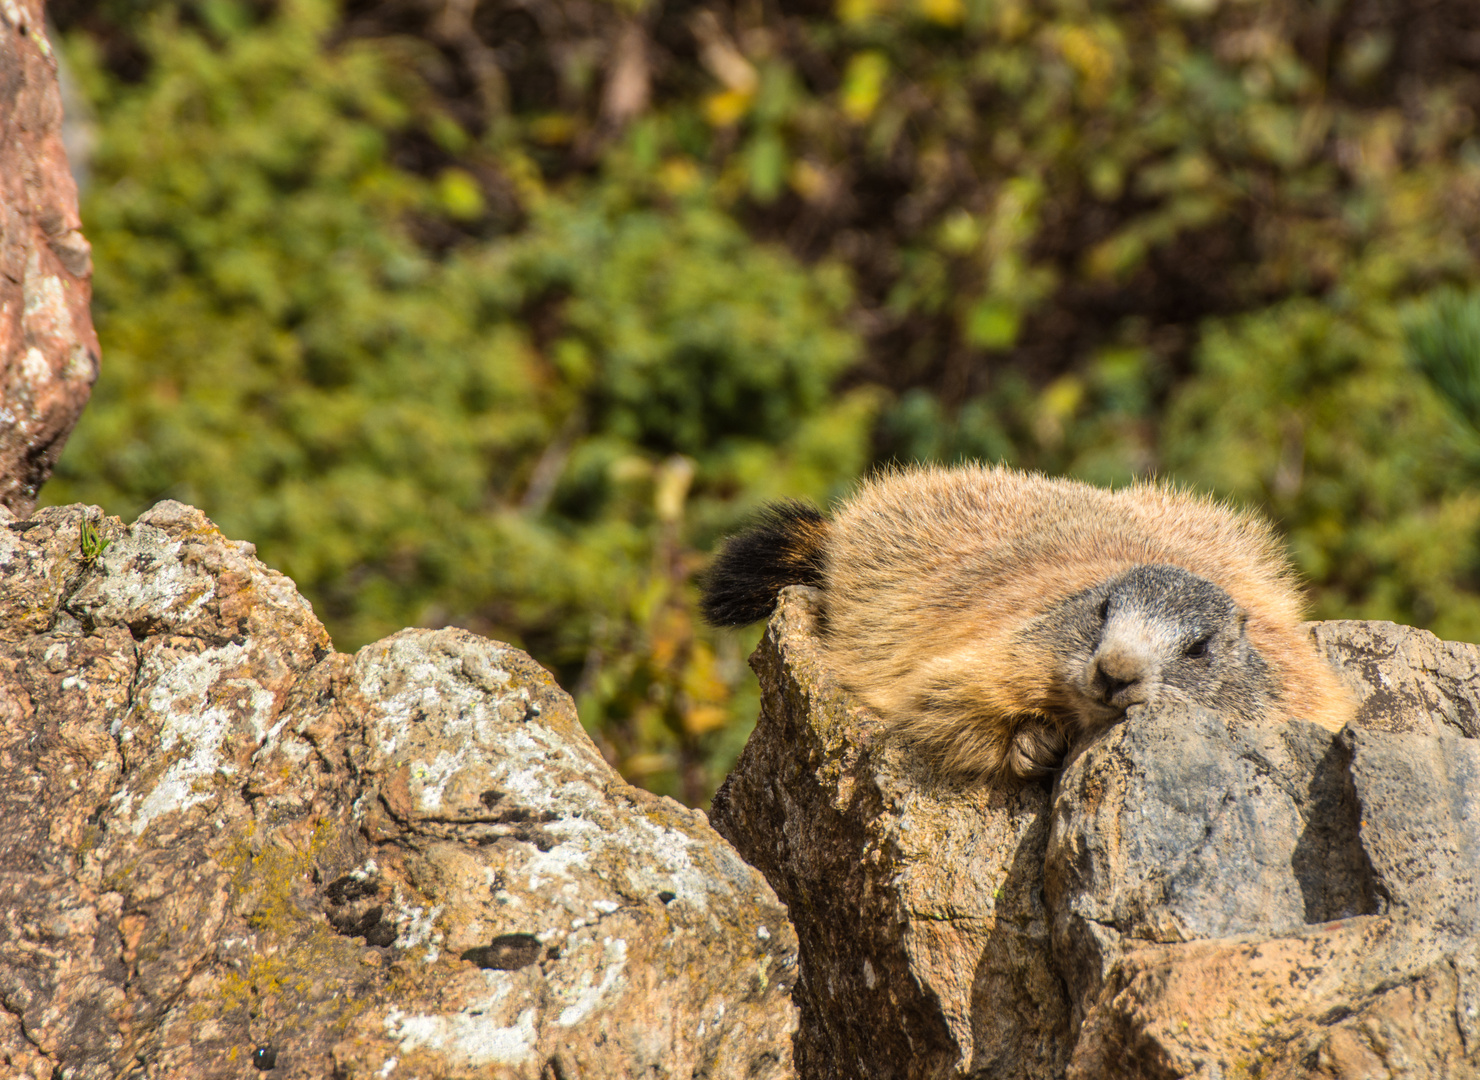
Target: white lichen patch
{"x": 526, "y": 766}
{"x": 562, "y": 860}
{"x": 43, "y": 46}
{"x": 659, "y": 858}
{"x": 448, "y": 713}
{"x": 45, "y": 301}
{"x": 35, "y": 369}
{"x": 412, "y": 683}
{"x": 468, "y": 1037}
{"x": 13, "y": 549}
{"x": 143, "y": 572}
{"x": 470, "y": 743}
{"x": 196, "y": 706}
{"x": 587, "y": 995}
{"x": 429, "y": 779}
{"x": 365, "y": 872}
{"x": 294, "y": 750}
{"x": 655, "y": 858}
{"x": 80, "y": 366}
{"x": 416, "y": 927}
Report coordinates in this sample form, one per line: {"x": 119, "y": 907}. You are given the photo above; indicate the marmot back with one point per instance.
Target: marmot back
{"x": 991, "y": 615}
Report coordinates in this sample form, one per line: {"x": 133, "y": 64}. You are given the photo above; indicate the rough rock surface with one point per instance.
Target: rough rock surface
{"x": 1191, "y": 897}
{"x": 224, "y": 845}
{"x": 48, "y": 351}
{"x": 926, "y": 945}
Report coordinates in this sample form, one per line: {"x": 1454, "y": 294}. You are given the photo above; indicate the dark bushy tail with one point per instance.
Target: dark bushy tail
{"x": 785, "y": 547}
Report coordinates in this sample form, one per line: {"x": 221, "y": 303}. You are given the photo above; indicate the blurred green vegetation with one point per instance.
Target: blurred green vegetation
{"x": 498, "y": 315}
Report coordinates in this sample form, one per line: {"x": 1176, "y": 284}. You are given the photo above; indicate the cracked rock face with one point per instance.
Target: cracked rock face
{"x": 48, "y": 350}
{"x": 223, "y": 844}
{"x": 1191, "y": 897}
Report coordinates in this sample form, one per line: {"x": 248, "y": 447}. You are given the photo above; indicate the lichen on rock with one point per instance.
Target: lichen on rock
{"x": 225, "y": 841}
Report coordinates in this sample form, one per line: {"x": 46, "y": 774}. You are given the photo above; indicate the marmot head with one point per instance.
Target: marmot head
{"x": 1155, "y": 633}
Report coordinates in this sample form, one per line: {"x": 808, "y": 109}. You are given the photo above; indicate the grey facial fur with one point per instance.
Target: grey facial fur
{"x": 1155, "y": 633}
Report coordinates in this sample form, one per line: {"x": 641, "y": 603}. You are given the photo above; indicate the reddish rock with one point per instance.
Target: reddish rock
{"x": 48, "y": 350}
{"x": 224, "y": 844}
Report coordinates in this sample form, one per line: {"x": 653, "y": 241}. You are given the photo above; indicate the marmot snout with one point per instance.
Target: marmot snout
{"x": 1153, "y": 634}
{"x": 991, "y": 616}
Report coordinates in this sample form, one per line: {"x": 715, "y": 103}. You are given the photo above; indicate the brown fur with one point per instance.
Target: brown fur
{"x": 933, "y": 576}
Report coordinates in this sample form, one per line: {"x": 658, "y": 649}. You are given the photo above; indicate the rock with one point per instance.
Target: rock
{"x": 225, "y": 843}
{"x": 1193, "y": 896}
{"x": 926, "y": 945}
{"x": 1226, "y": 895}
{"x": 48, "y": 350}
{"x": 1407, "y": 680}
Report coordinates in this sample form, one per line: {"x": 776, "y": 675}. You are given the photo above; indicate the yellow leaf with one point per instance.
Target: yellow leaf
{"x": 1059, "y": 402}
{"x": 942, "y": 12}
{"x": 672, "y": 487}
{"x": 460, "y": 195}
{"x": 1061, "y": 398}
{"x": 863, "y": 84}
{"x": 640, "y": 765}
{"x": 993, "y": 324}
{"x": 678, "y": 176}
{"x": 809, "y": 181}
{"x": 553, "y": 129}
{"x": 703, "y": 719}
{"x": 1115, "y": 258}
{"x": 852, "y": 12}
{"x": 1012, "y": 21}
{"x": 1083, "y": 51}
{"x": 727, "y": 107}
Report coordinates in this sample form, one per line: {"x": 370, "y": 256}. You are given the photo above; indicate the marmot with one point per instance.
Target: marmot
{"x": 991, "y": 615}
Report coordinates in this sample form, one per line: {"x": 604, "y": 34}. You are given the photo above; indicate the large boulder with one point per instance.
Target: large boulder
{"x": 48, "y": 351}
{"x": 222, "y": 845}
{"x": 1191, "y": 896}
{"x": 1269, "y": 896}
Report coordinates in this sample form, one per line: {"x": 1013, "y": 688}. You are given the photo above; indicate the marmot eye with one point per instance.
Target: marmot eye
{"x": 1199, "y": 647}
{"x": 1104, "y": 609}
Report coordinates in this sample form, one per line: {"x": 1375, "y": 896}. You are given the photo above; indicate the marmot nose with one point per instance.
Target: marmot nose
{"x": 1119, "y": 680}
{"x": 1110, "y": 685}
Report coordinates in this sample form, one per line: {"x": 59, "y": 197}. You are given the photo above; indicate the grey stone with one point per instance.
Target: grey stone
{"x": 1420, "y": 827}
{"x": 1405, "y": 680}
{"x": 1193, "y": 896}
